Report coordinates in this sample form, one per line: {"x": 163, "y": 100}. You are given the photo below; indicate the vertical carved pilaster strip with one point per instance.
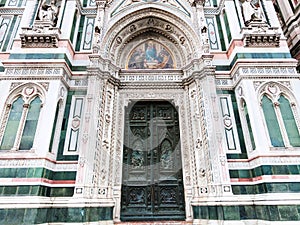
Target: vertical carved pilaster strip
{"x": 4, "y": 120}
{"x": 201, "y": 24}
{"x": 84, "y": 180}
{"x": 204, "y": 158}
{"x": 101, "y": 102}
{"x": 21, "y": 127}
{"x": 99, "y": 23}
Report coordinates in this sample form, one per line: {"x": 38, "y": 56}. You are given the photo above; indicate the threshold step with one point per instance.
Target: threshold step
{"x": 154, "y": 223}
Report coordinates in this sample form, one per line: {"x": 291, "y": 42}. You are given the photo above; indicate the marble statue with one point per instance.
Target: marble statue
{"x": 48, "y": 12}
{"x": 251, "y": 11}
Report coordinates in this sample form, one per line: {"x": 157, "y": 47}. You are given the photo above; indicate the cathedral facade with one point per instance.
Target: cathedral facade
{"x": 132, "y": 111}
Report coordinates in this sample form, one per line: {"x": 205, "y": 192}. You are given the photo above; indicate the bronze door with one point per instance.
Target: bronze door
{"x": 152, "y": 187}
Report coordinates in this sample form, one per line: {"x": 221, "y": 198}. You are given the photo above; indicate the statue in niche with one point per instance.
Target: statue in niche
{"x": 48, "y": 11}
{"x": 251, "y": 11}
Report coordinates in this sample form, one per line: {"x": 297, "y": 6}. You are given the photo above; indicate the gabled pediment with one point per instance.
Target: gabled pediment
{"x": 123, "y": 5}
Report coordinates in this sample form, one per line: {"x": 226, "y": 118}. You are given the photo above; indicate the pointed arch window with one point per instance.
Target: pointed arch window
{"x": 280, "y": 121}
{"x": 12, "y": 125}
{"x": 30, "y": 124}
{"x": 272, "y": 122}
{"x": 289, "y": 121}
{"x": 20, "y": 120}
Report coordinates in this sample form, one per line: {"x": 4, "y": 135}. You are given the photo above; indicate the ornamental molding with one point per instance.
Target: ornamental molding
{"x": 214, "y": 10}
{"x": 89, "y": 11}
{"x": 85, "y": 11}
{"x": 114, "y": 37}
{"x": 36, "y": 163}
{"x": 258, "y": 84}
{"x": 79, "y": 83}
{"x": 13, "y": 85}
{"x": 43, "y": 73}
{"x": 11, "y": 11}
{"x": 261, "y": 40}
{"x": 259, "y": 72}
{"x": 151, "y": 76}
{"x": 148, "y": 86}
{"x": 259, "y": 34}
{"x": 259, "y": 161}
{"x": 41, "y": 35}
{"x": 33, "y": 71}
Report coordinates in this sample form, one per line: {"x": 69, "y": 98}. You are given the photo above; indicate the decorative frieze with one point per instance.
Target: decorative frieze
{"x": 11, "y": 11}
{"x": 33, "y": 71}
{"x": 223, "y": 82}
{"x": 142, "y": 77}
{"x": 35, "y": 163}
{"x": 261, "y": 40}
{"x": 259, "y": 72}
{"x": 259, "y": 34}
{"x": 79, "y": 83}
{"x": 259, "y": 161}
{"x": 40, "y": 36}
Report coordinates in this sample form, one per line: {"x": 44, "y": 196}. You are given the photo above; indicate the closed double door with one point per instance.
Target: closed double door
{"x": 152, "y": 186}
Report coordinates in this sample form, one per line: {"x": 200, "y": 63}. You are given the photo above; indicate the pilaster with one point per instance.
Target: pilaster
{"x": 95, "y": 167}
{"x": 99, "y": 23}
{"x": 211, "y": 169}
{"x": 29, "y": 13}
{"x": 84, "y": 179}
{"x": 67, "y": 21}
{"x": 285, "y": 9}
{"x": 201, "y": 23}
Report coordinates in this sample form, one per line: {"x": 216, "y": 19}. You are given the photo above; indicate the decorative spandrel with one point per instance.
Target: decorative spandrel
{"x": 150, "y": 55}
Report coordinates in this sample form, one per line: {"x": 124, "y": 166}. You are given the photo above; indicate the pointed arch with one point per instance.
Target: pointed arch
{"x": 289, "y": 121}
{"x": 30, "y": 126}
{"x": 151, "y": 23}
{"x": 272, "y": 122}
{"x": 12, "y": 124}
{"x": 20, "y": 116}
{"x": 278, "y": 106}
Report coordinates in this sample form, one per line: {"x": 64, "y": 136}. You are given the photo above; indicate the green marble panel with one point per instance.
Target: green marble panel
{"x": 231, "y": 213}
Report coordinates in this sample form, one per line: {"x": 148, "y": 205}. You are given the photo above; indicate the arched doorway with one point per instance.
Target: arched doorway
{"x": 152, "y": 184}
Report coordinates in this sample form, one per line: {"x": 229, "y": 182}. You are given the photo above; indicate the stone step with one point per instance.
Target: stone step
{"x": 155, "y": 223}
